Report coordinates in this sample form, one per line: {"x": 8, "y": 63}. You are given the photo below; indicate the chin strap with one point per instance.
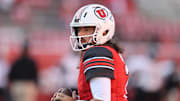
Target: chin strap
{"x": 81, "y": 46}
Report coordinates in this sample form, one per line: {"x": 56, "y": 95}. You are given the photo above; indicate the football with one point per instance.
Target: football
{"x": 67, "y": 91}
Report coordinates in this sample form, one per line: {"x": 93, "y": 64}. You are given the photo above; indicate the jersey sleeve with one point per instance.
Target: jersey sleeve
{"x": 98, "y": 62}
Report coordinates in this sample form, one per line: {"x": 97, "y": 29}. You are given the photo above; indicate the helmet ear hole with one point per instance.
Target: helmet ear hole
{"x": 105, "y": 32}
{"x": 94, "y": 37}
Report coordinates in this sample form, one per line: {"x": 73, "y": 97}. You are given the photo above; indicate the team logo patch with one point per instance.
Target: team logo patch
{"x": 101, "y": 12}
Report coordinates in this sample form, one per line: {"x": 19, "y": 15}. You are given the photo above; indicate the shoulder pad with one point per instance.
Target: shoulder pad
{"x": 97, "y": 52}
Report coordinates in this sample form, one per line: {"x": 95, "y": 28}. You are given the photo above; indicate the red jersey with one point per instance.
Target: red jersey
{"x": 103, "y": 61}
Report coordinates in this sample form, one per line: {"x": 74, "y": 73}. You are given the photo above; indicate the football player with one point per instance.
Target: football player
{"x": 103, "y": 75}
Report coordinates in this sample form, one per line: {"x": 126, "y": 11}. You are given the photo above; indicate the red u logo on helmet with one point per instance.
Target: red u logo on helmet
{"x": 101, "y": 13}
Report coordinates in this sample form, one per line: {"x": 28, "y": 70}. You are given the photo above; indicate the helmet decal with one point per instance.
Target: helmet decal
{"x": 85, "y": 15}
{"x": 101, "y": 12}
{"x": 80, "y": 14}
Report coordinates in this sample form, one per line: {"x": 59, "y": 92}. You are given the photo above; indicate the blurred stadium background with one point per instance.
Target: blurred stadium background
{"x": 149, "y": 31}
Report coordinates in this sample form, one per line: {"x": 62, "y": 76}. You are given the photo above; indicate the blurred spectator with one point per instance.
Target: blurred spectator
{"x": 172, "y": 84}
{"x": 139, "y": 65}
{"x": 6, "y": 5}
{"x": 23, "y": 78}
{"x": 68, "y": 63}
{"x": 160, "y": 69}
{"x": 148, "y": 74}
{"x": 4, "y": 69}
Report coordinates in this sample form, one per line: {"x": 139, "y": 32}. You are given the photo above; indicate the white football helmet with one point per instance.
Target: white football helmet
{"x": 93, "y": 15}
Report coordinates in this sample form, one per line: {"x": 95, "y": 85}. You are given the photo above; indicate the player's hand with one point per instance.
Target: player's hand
{"x": 60, "y": 96}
